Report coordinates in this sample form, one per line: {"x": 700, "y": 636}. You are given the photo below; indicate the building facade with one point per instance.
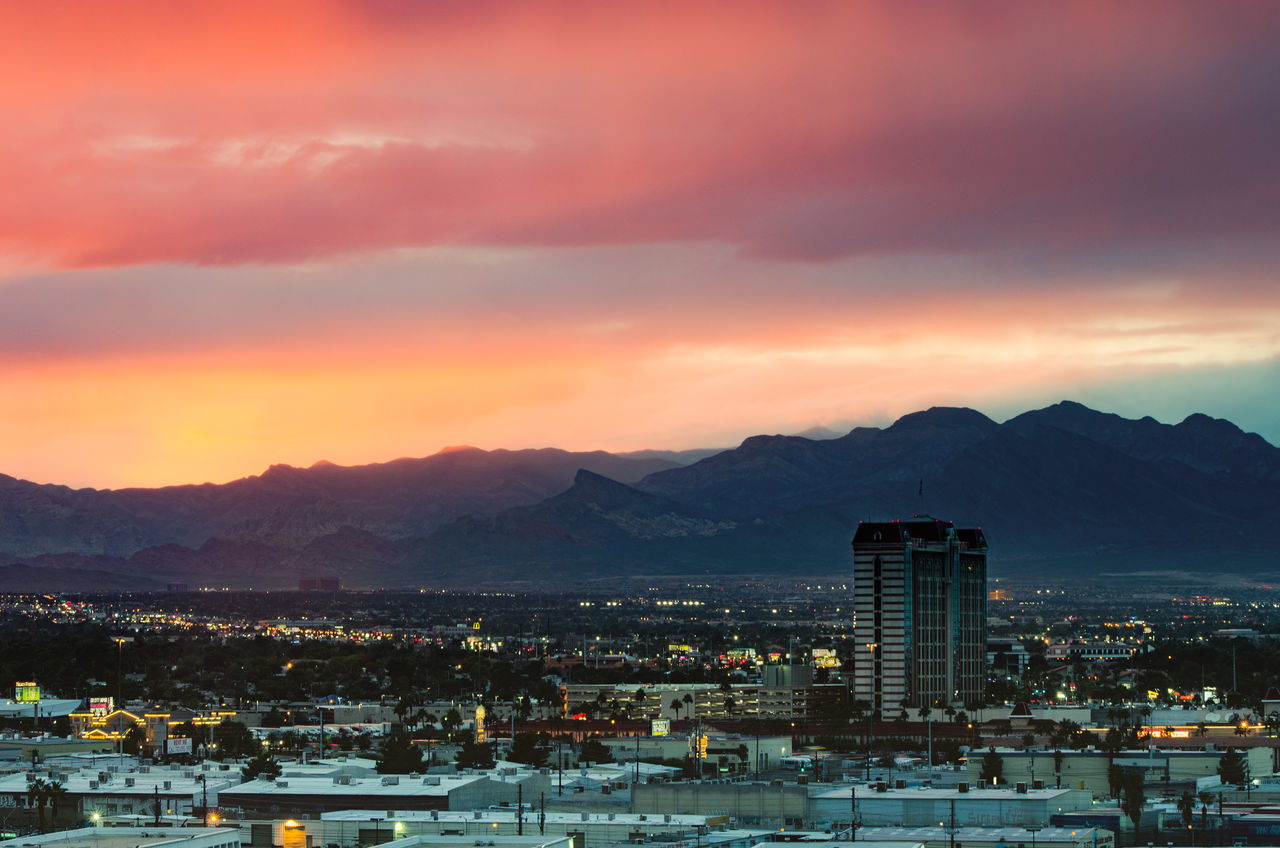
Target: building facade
{"x": 920, "y": 602}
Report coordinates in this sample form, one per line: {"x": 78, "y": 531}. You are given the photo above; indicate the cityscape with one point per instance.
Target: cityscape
{"x": 357, "y": 717}
{"x": 562, "y": 424}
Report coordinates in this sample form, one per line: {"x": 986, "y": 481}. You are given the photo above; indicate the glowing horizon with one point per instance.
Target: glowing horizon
{"x": 237, "y": 235}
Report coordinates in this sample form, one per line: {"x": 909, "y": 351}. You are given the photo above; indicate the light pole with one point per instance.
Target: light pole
{"x": 119, "y": 640}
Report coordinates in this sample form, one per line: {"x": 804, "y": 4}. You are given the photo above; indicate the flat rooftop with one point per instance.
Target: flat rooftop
{"x": 531, "y": 815}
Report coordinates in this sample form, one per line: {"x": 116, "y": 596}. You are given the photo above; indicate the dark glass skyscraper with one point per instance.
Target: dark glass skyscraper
{"x": 920, "y": 601}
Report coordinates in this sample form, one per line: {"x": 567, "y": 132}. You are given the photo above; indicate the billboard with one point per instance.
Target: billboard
{"x": 101, "y": 706}
{"x": 180, "y": 745}
{"x": 26, "y": 693}
{"x": 659, "y": 726}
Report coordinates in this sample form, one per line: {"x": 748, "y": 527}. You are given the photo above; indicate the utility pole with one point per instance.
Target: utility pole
{"x": 853, "y": 813}
{"x": 520, "y": 809}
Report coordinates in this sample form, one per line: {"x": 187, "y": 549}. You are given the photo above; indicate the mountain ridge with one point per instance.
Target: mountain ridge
{"x": 1056, "y": 486}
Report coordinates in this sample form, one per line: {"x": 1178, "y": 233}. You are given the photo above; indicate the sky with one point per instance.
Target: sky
{"x": 235, "y": 234}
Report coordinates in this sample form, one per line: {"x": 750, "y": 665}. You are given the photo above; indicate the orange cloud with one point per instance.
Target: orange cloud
{"x": 239, "y": 233}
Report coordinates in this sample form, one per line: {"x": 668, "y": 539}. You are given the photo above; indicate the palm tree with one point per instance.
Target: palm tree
{"x": 56, "y": 791}
{"x": 677, "y": 705}
{"x": 688, "y": 702}
{"x": 37, "y": 794}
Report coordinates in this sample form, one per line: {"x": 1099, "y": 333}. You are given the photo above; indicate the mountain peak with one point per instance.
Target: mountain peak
{"x": 459, "y": 449}
{"x": 1201, "y": 423}
{"x": 945, "y": 417}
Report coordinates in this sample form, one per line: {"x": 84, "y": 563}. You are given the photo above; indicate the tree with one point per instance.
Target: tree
{"x": 676, "y": 706}
{"x": 261, "y": 766}
{"x": 1133, "y": 795}
{"x": 992, "y": 767}
{"x": 38, "y": 795}
{"x": 399, "y": 755}
{"x": 55, "y": 792}
{"x": 594, "y": 751}
{"x": 1115, "y": 780}
{"x": 1233, "y": 768}
{"x": 233, "y": 737}
{"x": 474, "y": 755}
{"x": 1187, "y": 807}
{"x": 530, "y": 748}
{"x": 135, "y": 740}
{"x": 1204, "y": 798}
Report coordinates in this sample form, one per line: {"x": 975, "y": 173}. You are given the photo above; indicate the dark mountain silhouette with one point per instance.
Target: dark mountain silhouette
{"x": 1061, "y": 490}
{"x": 290, "y": 507}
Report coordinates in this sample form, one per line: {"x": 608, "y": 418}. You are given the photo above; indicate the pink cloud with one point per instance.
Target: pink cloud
{"x": 227, "y": 134}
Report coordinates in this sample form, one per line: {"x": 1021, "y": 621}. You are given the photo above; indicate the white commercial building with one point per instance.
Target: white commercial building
{"x": 924, "y": 806}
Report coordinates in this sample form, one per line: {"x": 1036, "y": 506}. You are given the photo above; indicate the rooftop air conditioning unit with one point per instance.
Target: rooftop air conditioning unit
{"x": 168, "y": 785}
{"x": 129, "y": 781}
{"x": 1037, "y": 784}
{"x": 283, "y": 783}
{"x": 391, "y": 780}
{"x": 899, "y": 784}
{"x": 93, "y": 784}
{"x": 1021, "y": 788}
{"x": 962, "y": 787}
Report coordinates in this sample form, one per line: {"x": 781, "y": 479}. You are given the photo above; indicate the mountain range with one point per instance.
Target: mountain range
{"x": 1064, "y": 489}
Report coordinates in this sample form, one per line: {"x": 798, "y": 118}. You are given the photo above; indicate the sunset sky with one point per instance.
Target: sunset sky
{"x": 237, "y": 234}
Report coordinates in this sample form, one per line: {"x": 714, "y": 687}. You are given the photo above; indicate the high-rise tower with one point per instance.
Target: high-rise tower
{"x": 921, "y": 609}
